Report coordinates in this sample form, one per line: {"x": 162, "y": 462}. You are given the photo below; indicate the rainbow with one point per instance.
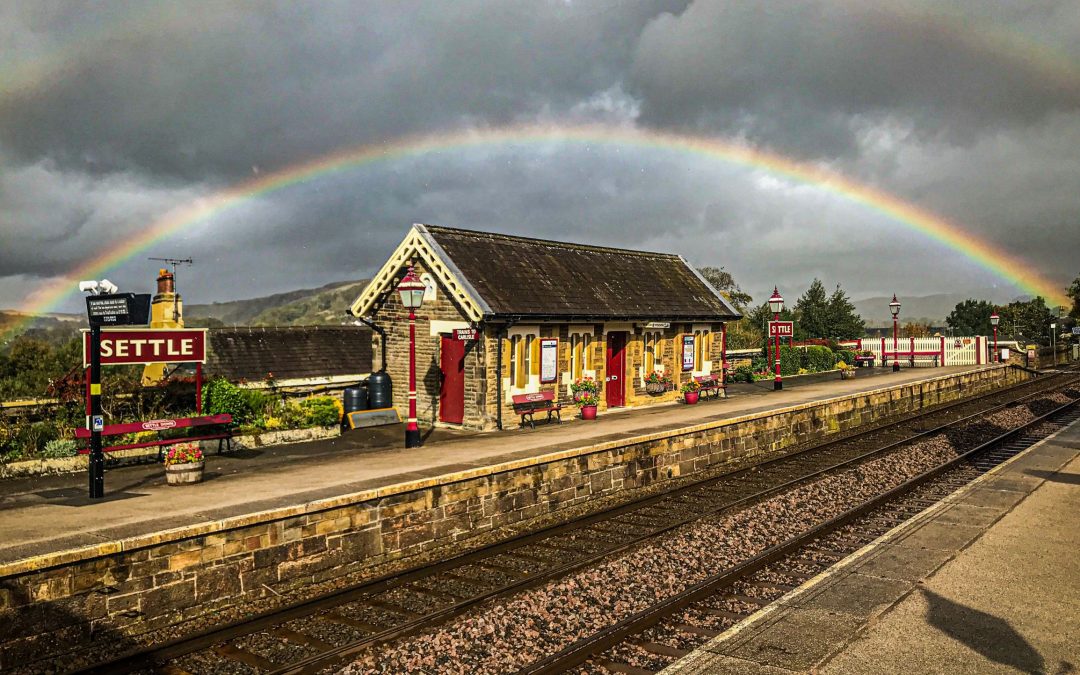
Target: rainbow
{"x": 983, "y": 253}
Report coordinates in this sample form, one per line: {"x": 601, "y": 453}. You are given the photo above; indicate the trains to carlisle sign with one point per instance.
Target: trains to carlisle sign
{"x": 122, "y": 346}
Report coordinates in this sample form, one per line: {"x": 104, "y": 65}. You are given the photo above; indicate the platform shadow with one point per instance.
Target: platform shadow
{"x": 986, "y": 634}
{"x": 1055, "y": 476}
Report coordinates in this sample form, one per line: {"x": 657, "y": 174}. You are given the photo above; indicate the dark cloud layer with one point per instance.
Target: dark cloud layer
{"x": 114, "y": 113}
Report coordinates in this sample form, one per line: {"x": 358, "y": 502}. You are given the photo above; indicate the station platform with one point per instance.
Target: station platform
{"x": 986, "y": 582}
{"x": 42, "y": 517}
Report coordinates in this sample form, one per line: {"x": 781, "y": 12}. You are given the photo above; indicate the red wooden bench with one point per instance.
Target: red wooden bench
{"x": 709, "y": 384}
{"x": 911, "y": 357}
{"x": 527, "y": 405}
{"x": 223, "y": 434}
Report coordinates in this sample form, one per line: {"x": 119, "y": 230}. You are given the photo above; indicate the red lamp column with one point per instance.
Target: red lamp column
{"x": 894, "y": 307}
{"x": 994, "y": 319}
{"x": 776, "y": 304}
{"x": 411, "y": 290}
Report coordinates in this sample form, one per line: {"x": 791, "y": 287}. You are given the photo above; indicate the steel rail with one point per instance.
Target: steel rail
{"x": 268, "y": 619}
{"x": 319, "y": 661}
{"x": 581, "y": 650}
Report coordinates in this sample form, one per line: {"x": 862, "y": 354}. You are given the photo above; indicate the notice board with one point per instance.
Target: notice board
{"x": 688, "y": 352}
{"x": 549, "y": 359}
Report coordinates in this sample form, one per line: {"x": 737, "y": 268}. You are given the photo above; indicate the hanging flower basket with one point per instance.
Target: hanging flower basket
{"x": 656, "y": 384}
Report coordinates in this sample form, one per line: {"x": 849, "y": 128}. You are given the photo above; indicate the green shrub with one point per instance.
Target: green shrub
{"x": 819, "y": 359}
{"x": 321, "y": 411}
{"x": 790, "y": 360}
{"x": 847, "y": 356}
{"x": 59, "y": 447}
{"x": 221, "y": 397}
{"x": 743, "y": 374}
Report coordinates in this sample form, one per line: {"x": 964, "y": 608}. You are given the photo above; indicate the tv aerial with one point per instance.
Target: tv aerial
{"x": 176, "y": 293}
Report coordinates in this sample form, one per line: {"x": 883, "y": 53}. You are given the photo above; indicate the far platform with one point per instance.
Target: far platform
{"x": 48, "y": 514}
{"x": 987, "y": 581}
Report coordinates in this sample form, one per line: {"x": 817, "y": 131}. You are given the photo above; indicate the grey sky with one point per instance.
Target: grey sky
{"x": 114, "y": 113}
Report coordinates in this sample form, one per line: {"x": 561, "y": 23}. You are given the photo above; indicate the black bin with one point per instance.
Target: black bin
{"x": 355, "y": 398}
{"x": 380, "y": 390}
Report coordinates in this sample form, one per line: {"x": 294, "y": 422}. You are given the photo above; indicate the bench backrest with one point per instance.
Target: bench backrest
{"x": 701, "y": 379}
{"x": 535, "y": 398}
{"x": 158, "y": 425}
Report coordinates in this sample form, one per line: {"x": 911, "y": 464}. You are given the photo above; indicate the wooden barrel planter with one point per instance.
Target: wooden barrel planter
{"x": 184, "y": 474}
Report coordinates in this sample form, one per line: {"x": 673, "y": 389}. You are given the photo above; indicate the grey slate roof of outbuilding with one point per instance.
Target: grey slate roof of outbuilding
{"x": 289, "y": 352}
{"x": 525, "y": 277}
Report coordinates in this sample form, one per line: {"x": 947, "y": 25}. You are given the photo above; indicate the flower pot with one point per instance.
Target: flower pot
{"x": 182, "y": 474}
{"x": 655, "y": 387}
{"x": 588, "y": 412}
{"x": 847, "y": 374}
{"x": 691, "y": 397}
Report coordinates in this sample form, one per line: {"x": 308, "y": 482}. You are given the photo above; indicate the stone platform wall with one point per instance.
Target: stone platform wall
{"x": 110, "y": 594}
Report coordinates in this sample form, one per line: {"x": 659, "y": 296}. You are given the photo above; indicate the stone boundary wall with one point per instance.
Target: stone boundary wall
{"x": 109, "y": 594}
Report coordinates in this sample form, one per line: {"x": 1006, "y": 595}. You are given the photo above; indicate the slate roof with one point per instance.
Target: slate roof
{"x": 537, "y": 278}
{"x": 289, "y": 352}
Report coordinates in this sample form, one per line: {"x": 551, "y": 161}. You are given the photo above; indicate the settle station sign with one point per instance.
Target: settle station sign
{"x": 129, "y": 346}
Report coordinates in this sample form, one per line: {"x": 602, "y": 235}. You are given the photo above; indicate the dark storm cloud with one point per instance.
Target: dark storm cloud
{"x": 112, "y": 114}
{"x": 797, "y": 74}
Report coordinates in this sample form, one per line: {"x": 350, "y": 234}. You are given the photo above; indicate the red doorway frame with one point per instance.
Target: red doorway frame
{"x": 614, "y": 384}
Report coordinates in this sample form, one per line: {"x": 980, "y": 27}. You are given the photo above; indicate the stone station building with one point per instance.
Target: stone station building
{"x": 545, "y": 314}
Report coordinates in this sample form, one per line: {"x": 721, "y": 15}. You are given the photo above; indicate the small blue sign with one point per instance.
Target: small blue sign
{"x": 97, "y": 423}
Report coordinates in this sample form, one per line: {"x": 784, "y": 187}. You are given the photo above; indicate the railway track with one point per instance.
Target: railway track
{"x": 671, "y": 629}
{"x": 330, "y": 630}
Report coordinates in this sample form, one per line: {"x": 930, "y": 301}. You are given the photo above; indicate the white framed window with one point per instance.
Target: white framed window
{"x": 581, "y": 354}
{"x": 523, "y": 361}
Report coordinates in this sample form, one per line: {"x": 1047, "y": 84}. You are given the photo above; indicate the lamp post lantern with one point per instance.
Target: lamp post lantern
{"x": 894, "y": 307}
{"x": 994, "y": 319}
{"x": 411, "y": 290}
{"x": 776, "y": 304}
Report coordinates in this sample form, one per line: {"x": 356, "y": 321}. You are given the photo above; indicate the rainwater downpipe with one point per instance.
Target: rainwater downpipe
{"x": 501, "y": 335}
{"x": 378, "y": 329}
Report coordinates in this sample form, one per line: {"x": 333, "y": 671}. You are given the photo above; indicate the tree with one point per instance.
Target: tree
{"x": 971, "y": 317}
{"x": 844, "y": 322}
{"x": 917, "y": 329}
{"x": 1027, "y": 320}
{"x": 812, "y": 312}
{"x": 722, "y": 281}
{"x": 1074, "y": 292}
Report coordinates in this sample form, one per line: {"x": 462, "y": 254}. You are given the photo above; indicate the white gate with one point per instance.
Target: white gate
{"x": 950, "y": 351}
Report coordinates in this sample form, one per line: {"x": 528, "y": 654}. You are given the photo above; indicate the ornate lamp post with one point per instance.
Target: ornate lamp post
{"x": 994, "y": 319}
{"x": 894, "y": 307}
{"x": 411, "y": 290}
{"x": 776, "y": 304}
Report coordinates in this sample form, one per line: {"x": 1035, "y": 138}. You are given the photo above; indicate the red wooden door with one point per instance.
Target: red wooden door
{"x": 452, "y": 392}
{"x": 616, "y": 369}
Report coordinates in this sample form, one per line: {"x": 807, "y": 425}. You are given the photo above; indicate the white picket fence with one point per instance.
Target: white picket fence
{"x": 950, "y": 351}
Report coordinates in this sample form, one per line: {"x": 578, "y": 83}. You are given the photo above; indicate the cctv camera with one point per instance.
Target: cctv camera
{"x": 108, "y": 287}
{"x": 88, "y": 286}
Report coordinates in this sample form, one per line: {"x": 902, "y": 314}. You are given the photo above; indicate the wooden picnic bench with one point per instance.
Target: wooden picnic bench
{"x": 710, "y": 384}
{"x": 527, "y": 405}
{"x": 218, "y": 426}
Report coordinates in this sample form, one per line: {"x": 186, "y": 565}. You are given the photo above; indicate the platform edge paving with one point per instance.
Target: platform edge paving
{"x": 731, "y": 651}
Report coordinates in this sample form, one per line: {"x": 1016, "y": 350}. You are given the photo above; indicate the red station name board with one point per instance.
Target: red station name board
{"x": 781, "y": 328}
{"x": 122, "y": 346}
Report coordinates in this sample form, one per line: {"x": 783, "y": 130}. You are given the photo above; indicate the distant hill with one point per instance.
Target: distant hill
{"x": 51, "y": 327}
{"x": 323, "y": 305}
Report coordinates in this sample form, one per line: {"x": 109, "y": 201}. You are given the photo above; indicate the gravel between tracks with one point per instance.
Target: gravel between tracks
{"x": 508, "y": 633}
